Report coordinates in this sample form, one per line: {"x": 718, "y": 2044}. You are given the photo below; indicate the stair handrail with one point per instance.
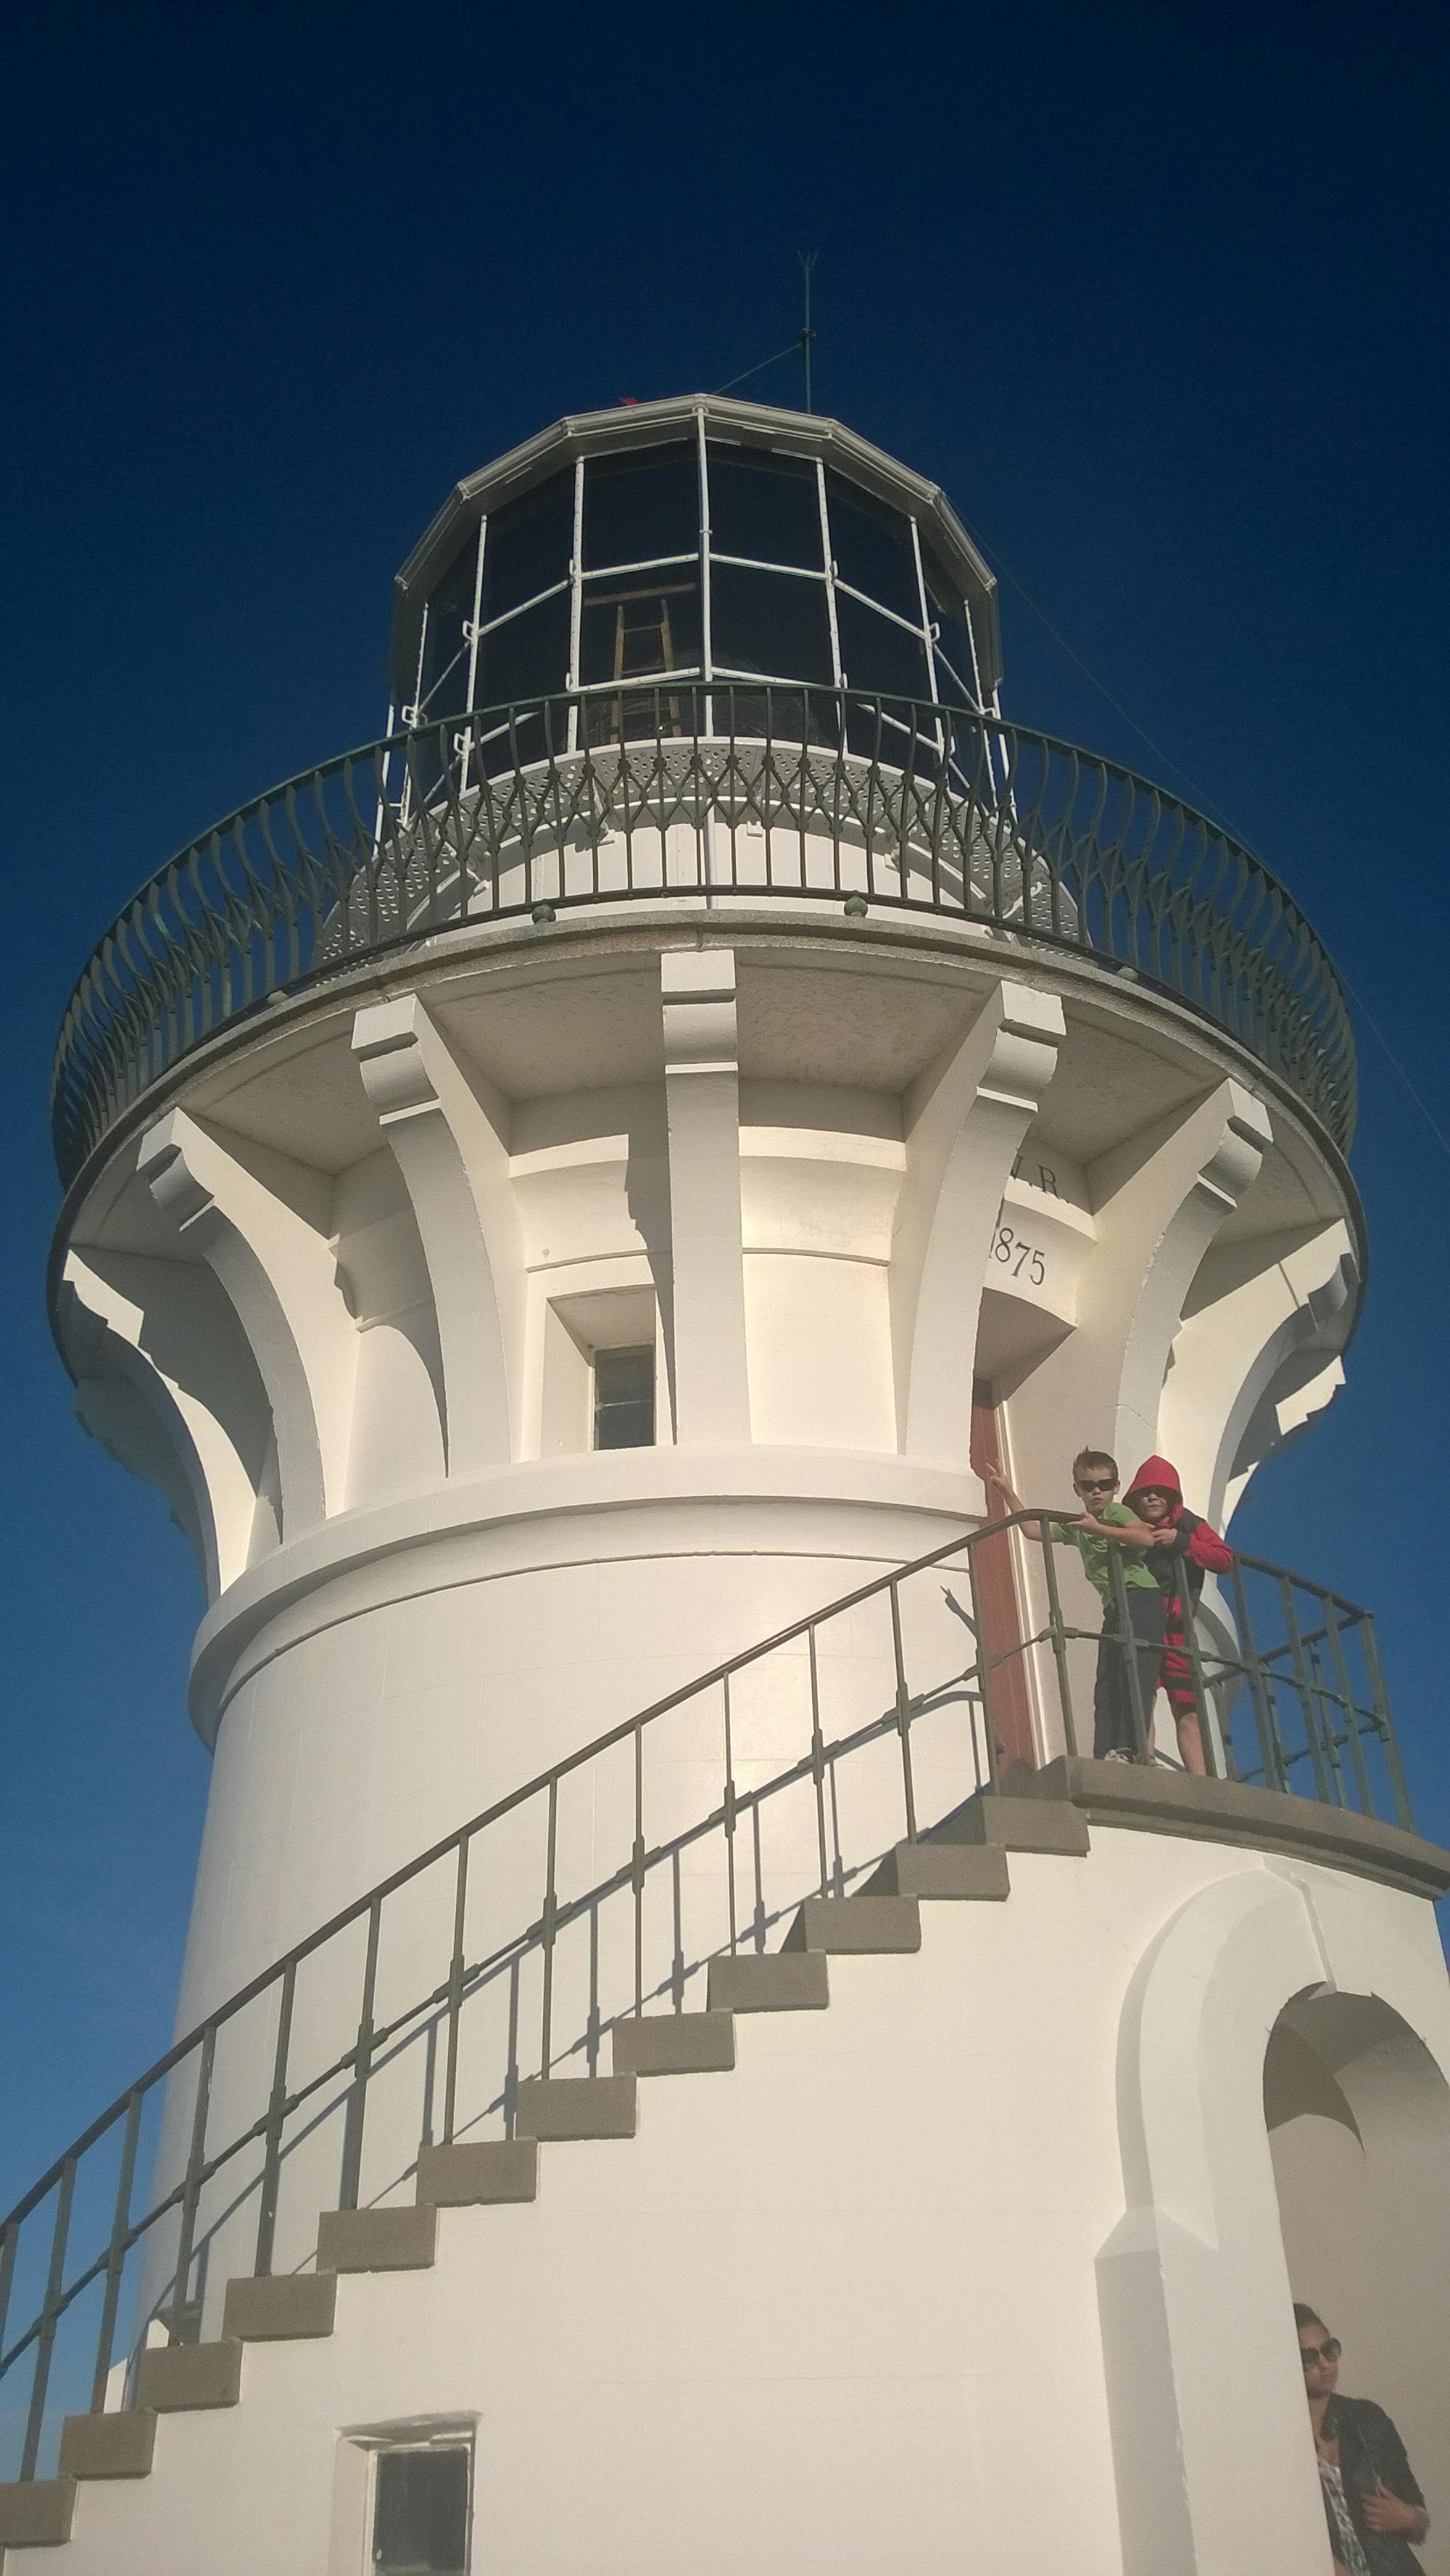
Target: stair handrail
{"x": 1311, "y": 1661}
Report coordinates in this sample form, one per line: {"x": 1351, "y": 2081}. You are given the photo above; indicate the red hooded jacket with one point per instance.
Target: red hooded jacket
{"x": 1204, "y": 1550}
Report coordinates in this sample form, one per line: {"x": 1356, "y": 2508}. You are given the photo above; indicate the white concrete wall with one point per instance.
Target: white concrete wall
{"x": 980, "y": 2268}
{"x": 341, "y": 1301}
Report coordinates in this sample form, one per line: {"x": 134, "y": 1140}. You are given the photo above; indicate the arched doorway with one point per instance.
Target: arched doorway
{"x": 1358, "y": 2115}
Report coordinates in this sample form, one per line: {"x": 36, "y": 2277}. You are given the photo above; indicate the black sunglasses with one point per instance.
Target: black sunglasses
{"x": 1096, "y": 1484}
{"x": 1312, "y": 2352}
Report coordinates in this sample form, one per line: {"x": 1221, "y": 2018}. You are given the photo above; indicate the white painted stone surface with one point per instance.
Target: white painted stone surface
{"x": 981, "y": 2267}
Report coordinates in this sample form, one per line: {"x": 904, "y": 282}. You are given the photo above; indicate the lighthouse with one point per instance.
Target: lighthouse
{"x": 586, "y": 1207}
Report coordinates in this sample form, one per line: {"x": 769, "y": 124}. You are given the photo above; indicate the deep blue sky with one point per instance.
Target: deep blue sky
{"x": 1158, "y": 295}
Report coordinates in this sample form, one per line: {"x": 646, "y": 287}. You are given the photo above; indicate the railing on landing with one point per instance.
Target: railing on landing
{"x": 678, "y": 790}
{"x": 605, "y": 1886}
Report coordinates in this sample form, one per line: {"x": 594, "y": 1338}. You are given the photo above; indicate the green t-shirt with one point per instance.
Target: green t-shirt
{"x": 1095, "y": 1551}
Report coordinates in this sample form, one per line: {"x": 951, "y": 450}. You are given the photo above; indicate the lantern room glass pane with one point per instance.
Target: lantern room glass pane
{"x": 527, "y": 546}
{"x": 772, "y": 622}
{"x": 635, "y": 624}
{"x": 641, "y": 505}
{"x": 957, "y": 684}
{"x": 877, "y": 654}
{"x": 445, "y": 651}
{"x": 767, "y": 507}
{"x": 527, "y": 657}
{"x": 872, "y": 547}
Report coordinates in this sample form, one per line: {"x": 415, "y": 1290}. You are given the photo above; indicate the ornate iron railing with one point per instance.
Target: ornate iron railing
{"x": 506, "y": 1953}
{"x": 685, "y": 791}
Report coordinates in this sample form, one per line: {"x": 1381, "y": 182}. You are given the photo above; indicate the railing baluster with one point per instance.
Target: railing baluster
{"x": 1305, "y": 1688}
{"x": 818, "y": 1758}
{"x": 1271, "y": 1751}
{"x": 729, "y": 1813}
{"x": 276, "y": 2115}
{"x": 9, "y": 2248}
{"x": 115, "y": 2254}
{"x": 352, "y": 2136}
{"x": 1142, "y": 1693}
{"x": 49, "y": 2318}
{"x": 903, "y": 1712}
{"x": 1195, "y": 1669}
{"x": 1058, "y": 1634}
{"x": 1384, "y": 1724}
{"x": 549, "y": 1920}
{"x": 1351, "y": 1718}
{"x": 455, "y": 1993}
{"x": 984, "y": 1679}
{"x": 191, "y": 2193}
{"x": 637, "y": 1871}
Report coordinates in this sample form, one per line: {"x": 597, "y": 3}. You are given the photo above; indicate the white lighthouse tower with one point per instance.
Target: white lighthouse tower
{"x": 685, "y": 2059}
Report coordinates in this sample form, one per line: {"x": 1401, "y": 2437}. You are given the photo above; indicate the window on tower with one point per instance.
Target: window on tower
{"x": 421, "y": 2509}
{"x": 624, "y": 1398}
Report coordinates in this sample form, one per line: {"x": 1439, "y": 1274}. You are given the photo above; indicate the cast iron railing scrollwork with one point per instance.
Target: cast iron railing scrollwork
{"x": 734, "y": 790}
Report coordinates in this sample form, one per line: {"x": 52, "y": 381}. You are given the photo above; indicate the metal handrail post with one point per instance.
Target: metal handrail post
{"x": 1141, "y": 1715}
{"x": 1385, "y": 1724}
{"x": 1195, "y": 1668}
{"x": 1351, "y": 1716}
{"x": 1270, "y": 1749}
{"x": 1058, "y": 1639}
{"x": 1305, "y": 1688}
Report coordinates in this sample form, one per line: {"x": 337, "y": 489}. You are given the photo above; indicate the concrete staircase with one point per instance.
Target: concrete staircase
{"x": 963, "y": 1859}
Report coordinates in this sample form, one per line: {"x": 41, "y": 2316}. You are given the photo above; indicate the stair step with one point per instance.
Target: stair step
{"x": 575, "y": 2106}
{"x": 280, "y": 2307}
{"x": 377, "y": 2240}
{"x": 474, "y": 2172}
{"x": 1016, "y": 1824}
{"x": 847, "y": 1924}
{"x": 35, "y": 2513}
{"x": 173, "y": 2378}
{"x": 751, "y": 1981}
{"x": 936, "y": 1870}
{"x": 701, "y": 2043}
{"x": 108, "y": 2446}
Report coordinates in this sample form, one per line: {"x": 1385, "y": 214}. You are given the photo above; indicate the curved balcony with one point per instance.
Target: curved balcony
{"x": 729, "y": 792}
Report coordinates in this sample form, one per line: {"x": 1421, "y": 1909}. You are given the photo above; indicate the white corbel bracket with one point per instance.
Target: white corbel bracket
{"x": 447, "y": 1136}
{"x": 965, "y": 1121}
{"x": 278, "y": 1273}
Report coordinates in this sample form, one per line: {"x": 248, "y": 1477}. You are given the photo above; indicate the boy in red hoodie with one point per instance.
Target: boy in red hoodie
{"x": 1184, "y": 1550}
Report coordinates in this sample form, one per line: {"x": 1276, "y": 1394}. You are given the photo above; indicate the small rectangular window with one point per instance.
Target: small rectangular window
{"x": 421, "y": 2511}
{"x": 624, "y": 1398}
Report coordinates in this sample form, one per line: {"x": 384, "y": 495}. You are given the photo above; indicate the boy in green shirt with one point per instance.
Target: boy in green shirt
{"x": 1107, "y": 1524}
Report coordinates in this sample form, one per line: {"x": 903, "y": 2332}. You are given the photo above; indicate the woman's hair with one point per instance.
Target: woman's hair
{"x": 1308, "y": 2317}
{"x": 1094, "y": 1458}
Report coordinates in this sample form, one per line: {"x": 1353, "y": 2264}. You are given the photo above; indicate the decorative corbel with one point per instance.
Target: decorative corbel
{"x": 240, "y": 1207}
{"x": 447, "y": 1134}
{"x": 965, "y": 1120}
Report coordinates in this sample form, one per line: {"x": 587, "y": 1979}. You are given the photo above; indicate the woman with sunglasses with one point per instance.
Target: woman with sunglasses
{"x": 1371, "y": 2502}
